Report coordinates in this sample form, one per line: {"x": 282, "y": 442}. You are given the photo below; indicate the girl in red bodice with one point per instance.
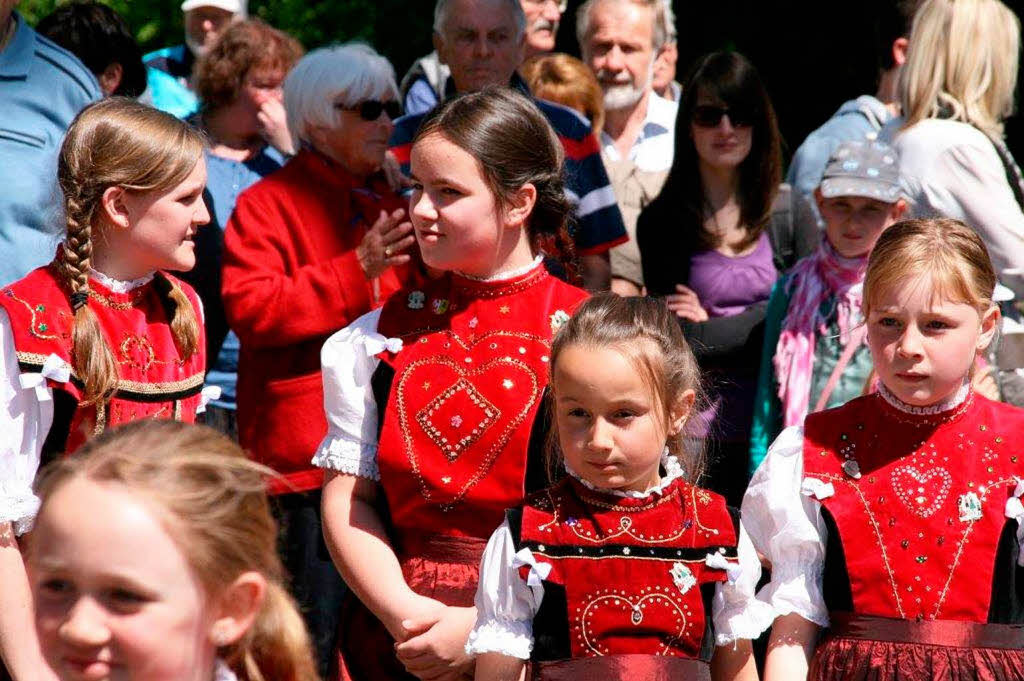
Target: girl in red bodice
{"x": 623, "y": 569}
{"x": 432, "y": 401}
{"x": 100, "y": 336}
{"x": 895, "y": 520}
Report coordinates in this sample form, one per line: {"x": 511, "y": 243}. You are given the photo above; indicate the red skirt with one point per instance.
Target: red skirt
{"x": 440, "y": 567}
{"x": 622, "y": 668}
{"x": 882, "y": 649}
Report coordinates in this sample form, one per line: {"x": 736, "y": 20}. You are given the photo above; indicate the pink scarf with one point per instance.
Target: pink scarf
{"x": 822, "y": 274}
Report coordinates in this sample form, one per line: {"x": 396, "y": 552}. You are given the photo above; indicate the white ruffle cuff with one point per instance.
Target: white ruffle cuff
{"x": 345, "y": 456}
{"x": 508, "y": 637}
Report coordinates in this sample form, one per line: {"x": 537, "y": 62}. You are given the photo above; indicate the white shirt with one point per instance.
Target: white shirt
{"x": 653, "y": 149}
{"x": 949, "y": 168}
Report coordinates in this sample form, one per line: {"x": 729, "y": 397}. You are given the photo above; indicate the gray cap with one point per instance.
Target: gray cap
{"x": 869, "y": 169}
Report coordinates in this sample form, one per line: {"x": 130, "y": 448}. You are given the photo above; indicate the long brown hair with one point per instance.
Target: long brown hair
{"x": 515, "y": 145}
{"x": 117, "y": 142}
{"x": 212, "y": 501}
{"x": 648, "y": 334}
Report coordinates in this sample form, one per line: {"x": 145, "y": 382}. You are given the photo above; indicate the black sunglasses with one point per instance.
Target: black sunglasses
{"x": 707, "y": 116}
{"x": 371, "y": 109}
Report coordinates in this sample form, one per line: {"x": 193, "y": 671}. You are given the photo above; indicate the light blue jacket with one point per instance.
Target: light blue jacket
{"x": 42, "y": 88}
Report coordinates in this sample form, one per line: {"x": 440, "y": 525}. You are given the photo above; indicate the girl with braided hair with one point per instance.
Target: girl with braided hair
{"x": 101, "y": 335}
{"x": 433, "y": 400}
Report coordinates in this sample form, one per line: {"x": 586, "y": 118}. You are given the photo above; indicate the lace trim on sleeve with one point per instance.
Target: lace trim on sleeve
{"x": 19, "y": 509}
{"x": 511, "y": 638}
{"x": 346, "y": 456}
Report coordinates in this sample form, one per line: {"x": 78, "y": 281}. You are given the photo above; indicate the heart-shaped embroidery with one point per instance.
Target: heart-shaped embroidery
{"x": 468, "y": 424}
{"x": 923, "y": 492}
{"x": 618, "y": 615}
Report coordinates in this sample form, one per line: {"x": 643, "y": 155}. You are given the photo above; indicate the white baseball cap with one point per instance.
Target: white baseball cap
{"x": 239, "y": 7}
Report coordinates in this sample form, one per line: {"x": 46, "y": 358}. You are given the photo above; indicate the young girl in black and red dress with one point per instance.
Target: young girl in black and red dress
{"x": 432, "y": 401}
{"x": 624, "y": 569}
{"x": 895, "y": 520}
{"x": 102, "y": 335}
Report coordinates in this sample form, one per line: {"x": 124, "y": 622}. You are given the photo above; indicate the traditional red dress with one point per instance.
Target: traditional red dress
{"x": 457, "y": 371}
{"x": 154, "y": 382}
{"x": 593, "y": 584}
{"x": 919, "y": 513}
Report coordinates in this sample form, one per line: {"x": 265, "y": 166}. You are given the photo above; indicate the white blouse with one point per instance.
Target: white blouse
{"x": 26, "y": 415}
{"x": 782, "y": 514}
{"x": 506, "y": 604}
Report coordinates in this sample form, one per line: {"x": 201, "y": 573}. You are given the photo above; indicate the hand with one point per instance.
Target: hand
{"x": 435, "y": 649}
{"x": 984, "y": 382}
{"x": 393, "y": 173}
{"x": 273, "y": 126}
{"x": 383, "y": 244}
{"x": 686, "y": 304}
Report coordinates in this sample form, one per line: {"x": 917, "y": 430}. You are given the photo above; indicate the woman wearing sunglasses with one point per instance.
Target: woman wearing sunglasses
{"x": 308, "y": 249}
{"x": 715, "y": 240}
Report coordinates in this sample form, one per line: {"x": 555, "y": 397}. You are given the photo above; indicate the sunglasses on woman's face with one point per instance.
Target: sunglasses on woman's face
{"x": 708, "y": 116}
{"x": 371, "y": 109}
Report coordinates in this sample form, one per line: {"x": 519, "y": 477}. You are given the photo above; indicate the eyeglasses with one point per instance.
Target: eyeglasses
{"x": 371, "y": 109}
{"x": 562, "y": 5}
{"x": 707, "y": 116}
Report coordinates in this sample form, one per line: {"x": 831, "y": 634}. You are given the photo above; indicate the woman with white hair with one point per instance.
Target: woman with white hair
{"x": 957, "y": 88}
{"x": 309, "y": 249}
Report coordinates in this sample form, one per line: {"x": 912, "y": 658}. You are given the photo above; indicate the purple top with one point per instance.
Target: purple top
{"x": 726, "y": 286}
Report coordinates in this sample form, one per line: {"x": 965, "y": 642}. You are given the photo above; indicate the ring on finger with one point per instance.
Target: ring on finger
{"x": 387, "y": 251}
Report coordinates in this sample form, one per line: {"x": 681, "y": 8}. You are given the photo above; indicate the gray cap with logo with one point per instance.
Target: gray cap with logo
{"x": 869, "y": 169}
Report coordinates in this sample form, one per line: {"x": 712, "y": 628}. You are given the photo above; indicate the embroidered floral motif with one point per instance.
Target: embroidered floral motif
{"x": 682, "y": 577}
{"x": 439, "y": 306}
{"x": 464, "y": 397}
{"x": 924, "y": 492}
{"x": 416, "y": 300}
{"x": 558, "y": 319}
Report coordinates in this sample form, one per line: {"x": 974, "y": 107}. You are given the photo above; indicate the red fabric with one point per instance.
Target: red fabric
{"x": 154, "y": 380}
{"x": 845, "y": 659}
{"x": 439, "y": 567}
{"x": 909, "y": 555}
{"x": 624, "y": 600}
{"x": 622, "y": 668}
{"x": 467, "y": 387}
{"x": 291, "y": 279}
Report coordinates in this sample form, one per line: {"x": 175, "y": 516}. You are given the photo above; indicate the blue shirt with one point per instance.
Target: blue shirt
{"x": 168, "y": 72}
{"x": 42, "y": 88}
{"x": 226, "y": 179}
{"x": 854, "y": 121}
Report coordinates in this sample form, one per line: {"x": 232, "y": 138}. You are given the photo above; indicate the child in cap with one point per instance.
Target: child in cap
{"x": 814, "y": 354}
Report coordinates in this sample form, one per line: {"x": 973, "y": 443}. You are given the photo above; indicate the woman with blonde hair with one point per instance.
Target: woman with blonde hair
{"x": 153, "y": 558}
{"x": 957, "y": 88}
{"x": 102, "y": 335}
{"x": 564, "y": 79}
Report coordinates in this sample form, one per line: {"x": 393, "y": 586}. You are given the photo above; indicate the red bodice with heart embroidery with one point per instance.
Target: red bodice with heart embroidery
{"x": 631, "y": 569}
{"x": 920, "y": 526}
{"x": 467, "y": 387}
{"x": 154, "y": 381}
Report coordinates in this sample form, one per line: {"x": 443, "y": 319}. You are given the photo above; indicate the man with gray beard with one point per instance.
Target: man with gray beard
{"x": 620, "y": 41}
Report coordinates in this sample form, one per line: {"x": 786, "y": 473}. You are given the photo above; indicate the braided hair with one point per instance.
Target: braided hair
{"x": 515, "y": 145}
{"x": 117, "y": 142}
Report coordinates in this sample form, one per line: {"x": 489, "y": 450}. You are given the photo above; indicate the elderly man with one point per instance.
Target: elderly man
{"x": 621, "y": 41}
{"x": 482, "y": 41}
{"x": 42, "y": 87}
{"x": 169, "y": 70}
{"x": 426, "y": 83}
{"x": 665, "y": 83}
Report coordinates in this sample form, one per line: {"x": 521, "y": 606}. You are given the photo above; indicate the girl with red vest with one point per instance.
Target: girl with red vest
{"x": 895, "y": 520}
{"x": 433, "y": 401}
{"x": 100, "y": 336}
{"x": 623, "y": 569}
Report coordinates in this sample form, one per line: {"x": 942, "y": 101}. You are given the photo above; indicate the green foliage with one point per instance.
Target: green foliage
{"x": 399, "y": 29}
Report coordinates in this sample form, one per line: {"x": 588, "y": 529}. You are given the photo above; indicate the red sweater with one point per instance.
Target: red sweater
{"x": 291, "y": 279}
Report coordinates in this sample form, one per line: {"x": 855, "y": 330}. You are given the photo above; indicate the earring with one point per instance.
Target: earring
{"x": 219, "y": 637}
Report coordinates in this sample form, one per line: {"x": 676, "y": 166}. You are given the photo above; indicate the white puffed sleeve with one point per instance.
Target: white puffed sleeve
{"x": 785, "y": 525}
{"x": 26, "y": 414}
{"x": 505, "y": 602}
{"x": 736, "y": 611}
{"x": 348, "y": 360}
